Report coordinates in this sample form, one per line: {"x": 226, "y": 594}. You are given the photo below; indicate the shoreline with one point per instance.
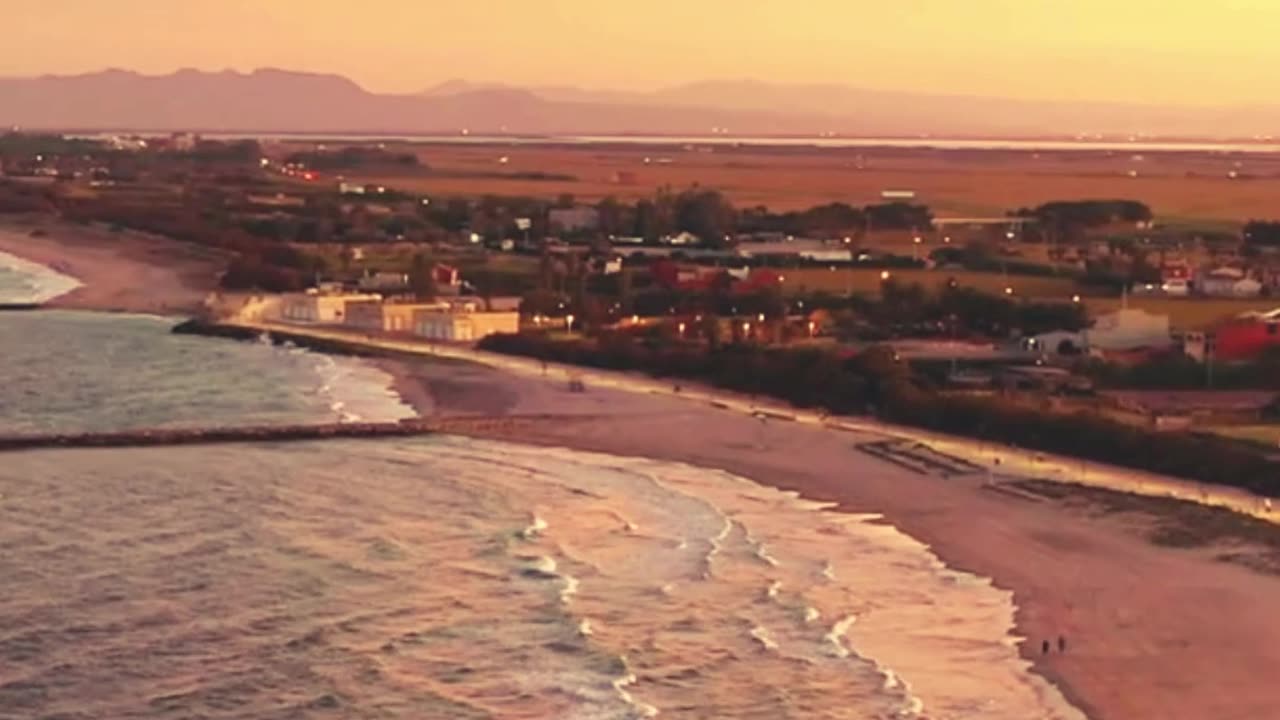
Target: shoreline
{"x": 1143, "y": 641}
{"x": 123, "y": 271}
{"x": 940, "y": 513}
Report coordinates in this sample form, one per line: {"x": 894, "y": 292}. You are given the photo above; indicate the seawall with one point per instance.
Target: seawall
{"x": 261, "y": 433}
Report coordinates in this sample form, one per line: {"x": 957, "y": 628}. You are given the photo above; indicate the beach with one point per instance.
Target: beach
{"x": 1150, "y": 631}
{"x": 120, "y": 271}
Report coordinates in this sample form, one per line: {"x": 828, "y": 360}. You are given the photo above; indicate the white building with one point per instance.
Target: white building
{"x": 1128, "y": 329}
{"x": 463, "y": 323}
{"x": 1228, "y": 282}
{"x": 316, "y": 307}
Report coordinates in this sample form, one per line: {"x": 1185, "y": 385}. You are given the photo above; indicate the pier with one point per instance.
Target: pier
{"x": 160, "y": 437}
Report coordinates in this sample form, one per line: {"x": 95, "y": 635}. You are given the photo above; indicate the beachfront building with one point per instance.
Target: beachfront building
{"x": 318, "y": 307}
{"x": 463, "y": 322}
{"x": 376, "y": 315}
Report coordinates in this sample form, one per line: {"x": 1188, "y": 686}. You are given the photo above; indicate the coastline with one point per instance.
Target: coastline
{"x": 1141, "y": 640}
{"x": 117, "y": 271}
{"x": 1144, "y": 641}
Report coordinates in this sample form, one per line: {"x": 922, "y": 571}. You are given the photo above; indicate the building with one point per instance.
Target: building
{"x": 383, "y": 282}
{"x": 463, "y": 322}
{"x": 812, "y": 250}
{"x": 1228, "y": 282}
{"x": 376, "y": 315}
{"x": 582, "y": 218}
{"x": 317, "y": 307}
{"x": 1247, "y": 336}
{"x": 1128, "y": 329}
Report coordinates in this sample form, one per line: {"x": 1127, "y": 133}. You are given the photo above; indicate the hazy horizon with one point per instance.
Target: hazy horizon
{"x": 1141, "y": 52}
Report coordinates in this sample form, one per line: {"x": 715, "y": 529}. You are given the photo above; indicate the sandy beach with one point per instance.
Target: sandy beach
{"x": 1150, "y": 631}
{"x": 119, "y": 271}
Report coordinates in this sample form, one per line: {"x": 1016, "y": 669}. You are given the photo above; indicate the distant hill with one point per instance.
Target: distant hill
{"x": 271, "y": 100}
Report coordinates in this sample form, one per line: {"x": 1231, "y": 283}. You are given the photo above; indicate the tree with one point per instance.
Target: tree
{"x": 422, "y": 280}
{"x": 705, "y": 213}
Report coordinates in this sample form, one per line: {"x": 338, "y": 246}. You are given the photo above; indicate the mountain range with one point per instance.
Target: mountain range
{"x": 282, "y": 101}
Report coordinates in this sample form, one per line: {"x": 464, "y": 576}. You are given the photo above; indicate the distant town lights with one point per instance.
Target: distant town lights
{"x": 1008, "y": 291}
{"x": 884, "y": 274}
{"x": 1075, "y": 298}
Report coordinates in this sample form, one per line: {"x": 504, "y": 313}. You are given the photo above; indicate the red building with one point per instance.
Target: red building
{"x": 1246, "y": 336}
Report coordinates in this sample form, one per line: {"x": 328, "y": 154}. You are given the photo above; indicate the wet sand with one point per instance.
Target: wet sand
{"x": 119, "y": 271}
{"x": 1151, "y": 632}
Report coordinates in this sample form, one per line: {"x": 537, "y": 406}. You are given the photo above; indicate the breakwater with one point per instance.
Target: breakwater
{"x": 332, "y": 346}
{"x": 266, "y": 433}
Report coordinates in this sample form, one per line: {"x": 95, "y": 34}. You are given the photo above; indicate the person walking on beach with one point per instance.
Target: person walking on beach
{"x": 1062, "y": 643}
{"x": 1044, "y": 647}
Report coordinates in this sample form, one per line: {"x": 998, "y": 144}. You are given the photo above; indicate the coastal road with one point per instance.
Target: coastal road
{"x": 999, "y": 459}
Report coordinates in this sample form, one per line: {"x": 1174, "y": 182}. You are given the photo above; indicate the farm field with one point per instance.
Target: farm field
{"x": 1184, "y": 188}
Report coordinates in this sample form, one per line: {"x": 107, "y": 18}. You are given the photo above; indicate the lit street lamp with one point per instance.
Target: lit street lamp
{"x": 681, "y": 329}
{"x": 884, "y": 275}
{"x": 568, "y": 323}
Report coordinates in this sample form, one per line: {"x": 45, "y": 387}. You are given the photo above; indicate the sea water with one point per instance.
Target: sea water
{"x": 437, "y": 577}
{"x": 22, "y": 281}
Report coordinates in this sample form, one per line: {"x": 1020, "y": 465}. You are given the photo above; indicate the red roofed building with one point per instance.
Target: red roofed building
{"x": 1247, "y": 336}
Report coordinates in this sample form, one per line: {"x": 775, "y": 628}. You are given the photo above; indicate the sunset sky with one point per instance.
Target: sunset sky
{"x": 1181, "y": 51}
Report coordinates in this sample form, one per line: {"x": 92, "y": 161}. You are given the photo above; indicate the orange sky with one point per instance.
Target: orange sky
{"x": 1184, "y": 51}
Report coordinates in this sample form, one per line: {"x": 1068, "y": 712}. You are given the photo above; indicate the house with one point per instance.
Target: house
{"x": 581, "y": 218}
{"x": 320, "y": 307}
{"x": 463, "y": 322}
{"x": 1228, "y": 282}
{"x": 446, "y": 278}
{"x": 1246, "y": 336}
{"x": 1128, "y": 329}
{"x": 377, "y": 315}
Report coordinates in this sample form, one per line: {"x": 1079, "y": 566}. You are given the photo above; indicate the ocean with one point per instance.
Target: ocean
{"x": 438, "y": 577}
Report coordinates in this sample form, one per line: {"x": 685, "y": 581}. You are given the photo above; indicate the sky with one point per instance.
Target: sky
{"x": 1144, "y": 51}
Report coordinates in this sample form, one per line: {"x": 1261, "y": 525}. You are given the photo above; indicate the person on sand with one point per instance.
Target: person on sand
{"x": 1062, "y": 643}
{"x": 1044, "y": 647}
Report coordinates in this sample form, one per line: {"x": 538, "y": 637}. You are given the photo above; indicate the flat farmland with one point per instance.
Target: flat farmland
{"x": 1178, "y": 186}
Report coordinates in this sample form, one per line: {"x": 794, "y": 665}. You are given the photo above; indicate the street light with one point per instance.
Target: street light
{"x": 812, "y": 326}
{"x": 681, "y": 328}
{"x": 635, "y": 319}
{"x": 1075, "y": 298}
{"x": 568, "y": 323}
{"x": 760, "y": 317}
{"x": 884, "y": 274}
{"x": 1008, "y": 291}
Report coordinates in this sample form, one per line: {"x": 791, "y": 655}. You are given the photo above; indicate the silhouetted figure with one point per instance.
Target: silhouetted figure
{"x": 1062, "y": 643}
{"x": 1044, "y": 647}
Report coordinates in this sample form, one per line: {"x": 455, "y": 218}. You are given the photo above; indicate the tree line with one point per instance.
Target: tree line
{"x": 874, "y": 381}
